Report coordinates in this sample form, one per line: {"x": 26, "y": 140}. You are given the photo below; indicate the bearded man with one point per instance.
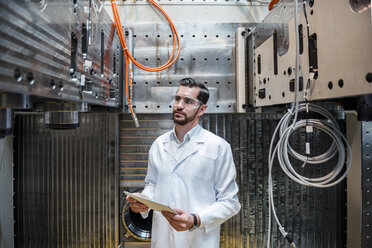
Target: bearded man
{"x": 191, "y": 170}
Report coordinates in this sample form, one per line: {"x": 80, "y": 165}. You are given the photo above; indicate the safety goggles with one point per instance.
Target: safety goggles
{"x": 186, "y": 101}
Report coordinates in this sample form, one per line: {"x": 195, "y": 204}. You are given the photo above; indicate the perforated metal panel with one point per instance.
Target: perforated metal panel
{"x": 207, "y": 54}
{"x": 332, "y": 64}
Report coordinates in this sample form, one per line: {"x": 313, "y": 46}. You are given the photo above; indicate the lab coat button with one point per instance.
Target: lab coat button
{"x": 172, "y": 204}
{"x": 174, "y": 175}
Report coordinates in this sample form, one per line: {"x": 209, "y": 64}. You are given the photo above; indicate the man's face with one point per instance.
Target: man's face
{"x": 186, "y": 106}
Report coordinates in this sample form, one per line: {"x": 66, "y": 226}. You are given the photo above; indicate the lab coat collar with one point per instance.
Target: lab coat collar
{"x": 196, "y": 138}
{"x": 195, "y": 134}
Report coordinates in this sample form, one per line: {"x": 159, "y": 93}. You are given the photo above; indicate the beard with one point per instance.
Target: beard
{"x": 185, "y": 120}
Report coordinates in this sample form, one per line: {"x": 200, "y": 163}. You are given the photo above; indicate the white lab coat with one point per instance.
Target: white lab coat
{"x": 197, "y": 176}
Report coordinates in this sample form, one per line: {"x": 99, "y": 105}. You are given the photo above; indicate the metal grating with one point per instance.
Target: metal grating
{"x": 314, "y": 216}
{"x": 366, "y": 184}
{"x": 66, "y": 183}
{"x": 135, "y": 144}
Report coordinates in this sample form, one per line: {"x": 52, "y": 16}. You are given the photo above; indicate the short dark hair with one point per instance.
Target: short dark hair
{"x": 191, "y": 83}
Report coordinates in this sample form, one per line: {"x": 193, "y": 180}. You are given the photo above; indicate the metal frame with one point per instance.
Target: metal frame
{"x": 366, "y": 183}
{"x": 6, "y": 192}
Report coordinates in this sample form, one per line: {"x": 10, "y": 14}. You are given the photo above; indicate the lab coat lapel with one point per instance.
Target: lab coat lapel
{"x": 167, "y": 149}
{"x": 193, "y": 148}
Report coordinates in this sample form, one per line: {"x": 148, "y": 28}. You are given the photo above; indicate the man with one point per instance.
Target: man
{"x": 191, "y": 170}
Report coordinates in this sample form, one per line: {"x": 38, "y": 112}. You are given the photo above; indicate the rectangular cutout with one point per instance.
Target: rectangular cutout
{"x": 313, "y": 55}
{"x": 259, "y": 64}
{"x": 262, "y": 93}
{"x": 84, "y": 40}
{"x": 300, "y": 84}
{"x": 73, "y": 63}
{"x": 275, "y": 52}
{"x": 114, "y": 64}
{"x": 102, "y": 52}
{"x": 301, "y": 38}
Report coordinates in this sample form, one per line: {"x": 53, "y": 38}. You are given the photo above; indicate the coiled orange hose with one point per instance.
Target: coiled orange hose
{"x": 128, "y": 56}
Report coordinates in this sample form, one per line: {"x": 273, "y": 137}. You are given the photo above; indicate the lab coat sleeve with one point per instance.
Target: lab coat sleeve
{"x": 150, "y": 180}
{"x": 227, "y": 202}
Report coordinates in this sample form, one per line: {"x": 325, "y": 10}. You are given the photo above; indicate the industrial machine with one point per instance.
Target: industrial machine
{"x": 86, "y": 86}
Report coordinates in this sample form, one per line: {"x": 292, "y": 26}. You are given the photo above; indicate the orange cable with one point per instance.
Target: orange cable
{"x": 171, "y": 60}
{"x": 129, "y": 57}
{"x": 272, "y": 4}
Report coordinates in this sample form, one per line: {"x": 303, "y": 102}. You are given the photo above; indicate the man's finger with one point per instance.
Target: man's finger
{"x": 181, "y": 218}
{"x": 131, "y": 200}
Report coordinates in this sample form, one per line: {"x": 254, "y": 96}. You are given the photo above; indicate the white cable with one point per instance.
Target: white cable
{"x": 292, "y": 110}
{"x": 285, "y": 128}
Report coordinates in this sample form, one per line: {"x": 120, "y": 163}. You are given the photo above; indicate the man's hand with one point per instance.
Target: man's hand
{"x": 182, "y": 221}
{"x": 137, "y": 206}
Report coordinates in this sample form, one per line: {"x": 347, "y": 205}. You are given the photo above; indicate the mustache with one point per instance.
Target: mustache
{"x": 178, "y": 112}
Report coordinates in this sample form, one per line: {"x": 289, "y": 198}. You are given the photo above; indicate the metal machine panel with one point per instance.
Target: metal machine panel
{"x": 315, "y": 216}
{"x": 66, "y": 187}
{"x": 65, "y": 50}
{"x": 207, "y": 35}
{"x": 207, "y": 54}
{"x": 6, "y": 192}
{"x": 341, "y": 53}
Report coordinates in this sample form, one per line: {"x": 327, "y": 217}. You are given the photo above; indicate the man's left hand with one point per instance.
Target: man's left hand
{"x": 182, "y": 221}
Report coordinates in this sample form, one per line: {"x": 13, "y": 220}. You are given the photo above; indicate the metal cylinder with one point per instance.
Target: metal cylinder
{"x": 6, "y": 122}
{"x": 61, "y": 119}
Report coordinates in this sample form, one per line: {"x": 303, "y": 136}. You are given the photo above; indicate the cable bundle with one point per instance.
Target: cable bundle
{"x": 285, "y": 128}
{"x": 283, "y": 149}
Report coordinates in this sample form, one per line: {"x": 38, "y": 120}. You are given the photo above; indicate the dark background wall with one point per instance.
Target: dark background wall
{"x": 68, "y": 189}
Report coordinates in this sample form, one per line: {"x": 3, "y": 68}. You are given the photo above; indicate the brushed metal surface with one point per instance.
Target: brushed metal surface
{"x": 66, "y": 183}
{"x": 314, "y": 216}
{"x": 37, "y": 56}
{"x": 15, "y": 101}
{"x": 344, "y": 61}
{"x": 6, "y": 192}
{"x": 6, "y": 121}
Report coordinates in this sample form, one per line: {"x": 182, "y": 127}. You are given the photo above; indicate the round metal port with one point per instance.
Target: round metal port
{"x": 135, "y": 225}
{"x": 18, "y": 75}
{"x": 30, "y": 78}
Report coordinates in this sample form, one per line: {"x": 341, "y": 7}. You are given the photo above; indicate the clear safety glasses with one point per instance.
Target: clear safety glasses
{"x": 187, "y": 102}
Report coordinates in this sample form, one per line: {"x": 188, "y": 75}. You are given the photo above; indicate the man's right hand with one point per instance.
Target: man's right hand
{"x": 137, "y": 206}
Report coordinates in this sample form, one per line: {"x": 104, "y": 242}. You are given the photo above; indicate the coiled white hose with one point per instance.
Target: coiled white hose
{"x": 285, "y": 128}
{"x": 283, "y": 149}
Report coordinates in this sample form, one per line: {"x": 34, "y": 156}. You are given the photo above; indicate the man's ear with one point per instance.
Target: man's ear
{"x": 202, "y": 110}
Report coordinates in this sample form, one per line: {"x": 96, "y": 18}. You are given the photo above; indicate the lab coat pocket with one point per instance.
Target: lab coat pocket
{"x": 202, "y": 167}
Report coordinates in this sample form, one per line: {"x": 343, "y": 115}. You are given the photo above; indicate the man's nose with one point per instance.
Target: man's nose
{"x": 179, "y": 105}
